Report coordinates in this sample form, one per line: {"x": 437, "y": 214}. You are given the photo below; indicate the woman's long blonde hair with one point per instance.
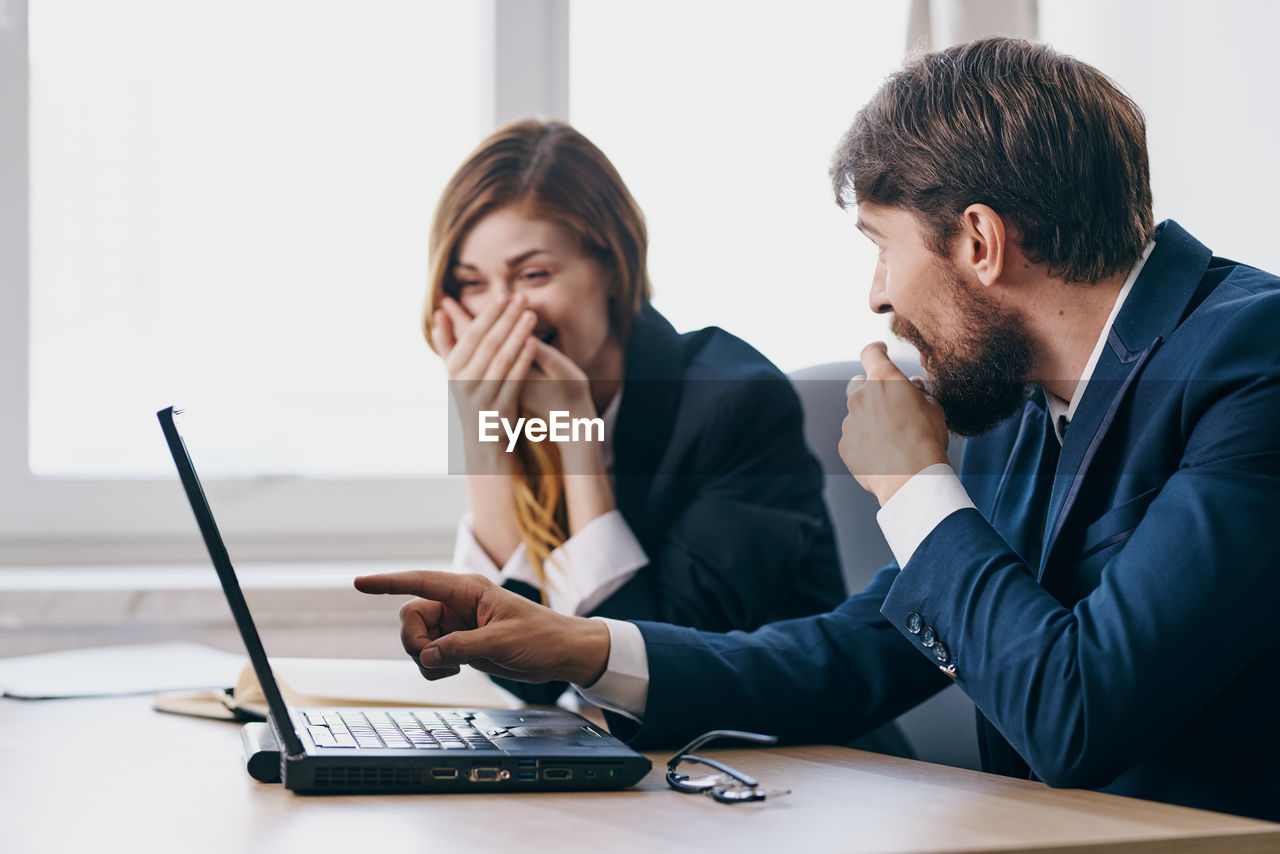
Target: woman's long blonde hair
{"x": 551, "y": 172}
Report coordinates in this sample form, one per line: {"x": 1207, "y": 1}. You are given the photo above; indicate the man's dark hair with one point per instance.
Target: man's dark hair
{"x": 1048, "y": 142}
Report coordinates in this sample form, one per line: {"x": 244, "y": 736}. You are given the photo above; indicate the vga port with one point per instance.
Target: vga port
{"x": 489, "y": 774}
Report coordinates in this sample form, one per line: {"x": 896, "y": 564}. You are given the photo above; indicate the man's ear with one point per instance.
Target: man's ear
{"x": 985, "y": 248}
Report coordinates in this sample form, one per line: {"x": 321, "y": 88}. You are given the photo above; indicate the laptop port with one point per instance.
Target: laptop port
{"x": 527, "y": 774}
{"x": 557, "y": 773}
{"x": 489, "y": 774}
{"x": 444, "y": 773}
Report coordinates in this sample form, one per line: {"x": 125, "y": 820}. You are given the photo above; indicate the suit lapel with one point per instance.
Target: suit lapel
{"x": 1154, "y": 308}
{"x": 1018, "y": 510}
{"x": 1107, "y": 389}
{"x": 650, "y": 398}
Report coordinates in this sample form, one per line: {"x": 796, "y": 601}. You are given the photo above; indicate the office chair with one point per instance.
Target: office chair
{"x": 942, "y": 729}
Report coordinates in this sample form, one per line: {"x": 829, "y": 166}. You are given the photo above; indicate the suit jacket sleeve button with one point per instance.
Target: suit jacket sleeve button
{"x": 941, "y": 653}
{"x": 914, "y": 623}
{"x": 928, "y": 637}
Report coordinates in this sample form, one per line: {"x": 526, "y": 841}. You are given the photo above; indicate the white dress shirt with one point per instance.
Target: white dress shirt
{"x": 906, "y": 519}
{"x": 585, "y": 570}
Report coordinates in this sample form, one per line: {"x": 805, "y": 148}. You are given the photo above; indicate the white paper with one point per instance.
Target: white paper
{"x": 126, "y": 669}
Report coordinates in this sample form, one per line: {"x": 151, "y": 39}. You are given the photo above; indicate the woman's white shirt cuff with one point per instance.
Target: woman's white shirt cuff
{"x": 584, "y": 571}
{"x": 592, "y": 564}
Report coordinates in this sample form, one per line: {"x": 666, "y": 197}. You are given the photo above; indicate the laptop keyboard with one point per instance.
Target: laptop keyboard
{"x": 395, "y": 730}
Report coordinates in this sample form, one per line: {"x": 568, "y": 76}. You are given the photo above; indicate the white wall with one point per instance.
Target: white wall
{"x": 1204, "y": 74}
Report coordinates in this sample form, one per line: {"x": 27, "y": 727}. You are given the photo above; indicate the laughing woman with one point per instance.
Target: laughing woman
{"x": 702, "y": 505}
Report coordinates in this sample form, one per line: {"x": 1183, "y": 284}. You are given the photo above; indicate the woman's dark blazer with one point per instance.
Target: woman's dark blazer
{"x": 712, "y": 474}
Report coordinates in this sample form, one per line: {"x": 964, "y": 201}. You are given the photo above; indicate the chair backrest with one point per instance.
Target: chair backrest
{"x": 942, "y": 729}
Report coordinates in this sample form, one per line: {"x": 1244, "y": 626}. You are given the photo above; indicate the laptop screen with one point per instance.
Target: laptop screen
{"x": 230, "y": 584}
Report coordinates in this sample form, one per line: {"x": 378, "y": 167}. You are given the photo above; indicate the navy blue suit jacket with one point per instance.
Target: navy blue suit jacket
{"x": 713, "y": 476}
{"x": 1109, "y": 607}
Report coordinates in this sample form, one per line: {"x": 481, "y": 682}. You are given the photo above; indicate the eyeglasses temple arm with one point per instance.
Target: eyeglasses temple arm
{"x": 744, "y": 779}
{"x": 740, "y": 735}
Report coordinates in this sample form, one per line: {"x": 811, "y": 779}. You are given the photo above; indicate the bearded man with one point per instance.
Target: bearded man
{"x": 1100, "y": 575}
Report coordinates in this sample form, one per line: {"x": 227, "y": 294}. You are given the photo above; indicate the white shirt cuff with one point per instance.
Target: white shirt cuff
{"x": 469, "y": 557}
{"x": 624, "y": 687}
{"x": 592, "y": 564}
{"x": 586, "y": 570}
{"x": 918, "y": 507}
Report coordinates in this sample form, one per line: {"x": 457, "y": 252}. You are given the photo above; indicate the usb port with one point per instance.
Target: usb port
{"x": 557, "y": 773}
{"x": 527, "y": 774}
{"x": 527, "y": 763}
{"x": 444, "y": 773}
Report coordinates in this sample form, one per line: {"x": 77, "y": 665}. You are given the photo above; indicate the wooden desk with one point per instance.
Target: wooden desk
{"x": 111, "y": 774}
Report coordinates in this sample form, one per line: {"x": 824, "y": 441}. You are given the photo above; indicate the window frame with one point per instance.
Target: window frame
{"x": 49, "y": 519}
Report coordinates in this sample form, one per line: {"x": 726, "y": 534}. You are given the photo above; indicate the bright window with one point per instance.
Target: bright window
{"x": 224, "y": 206}
{"x": 1203, "y": 77}
{"x": 722, "y": 118}
{"x": 229, "y": 212}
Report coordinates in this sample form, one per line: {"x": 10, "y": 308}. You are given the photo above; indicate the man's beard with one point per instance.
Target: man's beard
{"x": 982, "y": 379}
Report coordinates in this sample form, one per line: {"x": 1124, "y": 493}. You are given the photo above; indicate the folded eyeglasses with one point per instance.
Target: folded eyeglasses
{"x": 727, "y": 785}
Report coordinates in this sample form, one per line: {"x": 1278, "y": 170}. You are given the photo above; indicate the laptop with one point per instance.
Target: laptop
{"x": 365, "y": 750}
